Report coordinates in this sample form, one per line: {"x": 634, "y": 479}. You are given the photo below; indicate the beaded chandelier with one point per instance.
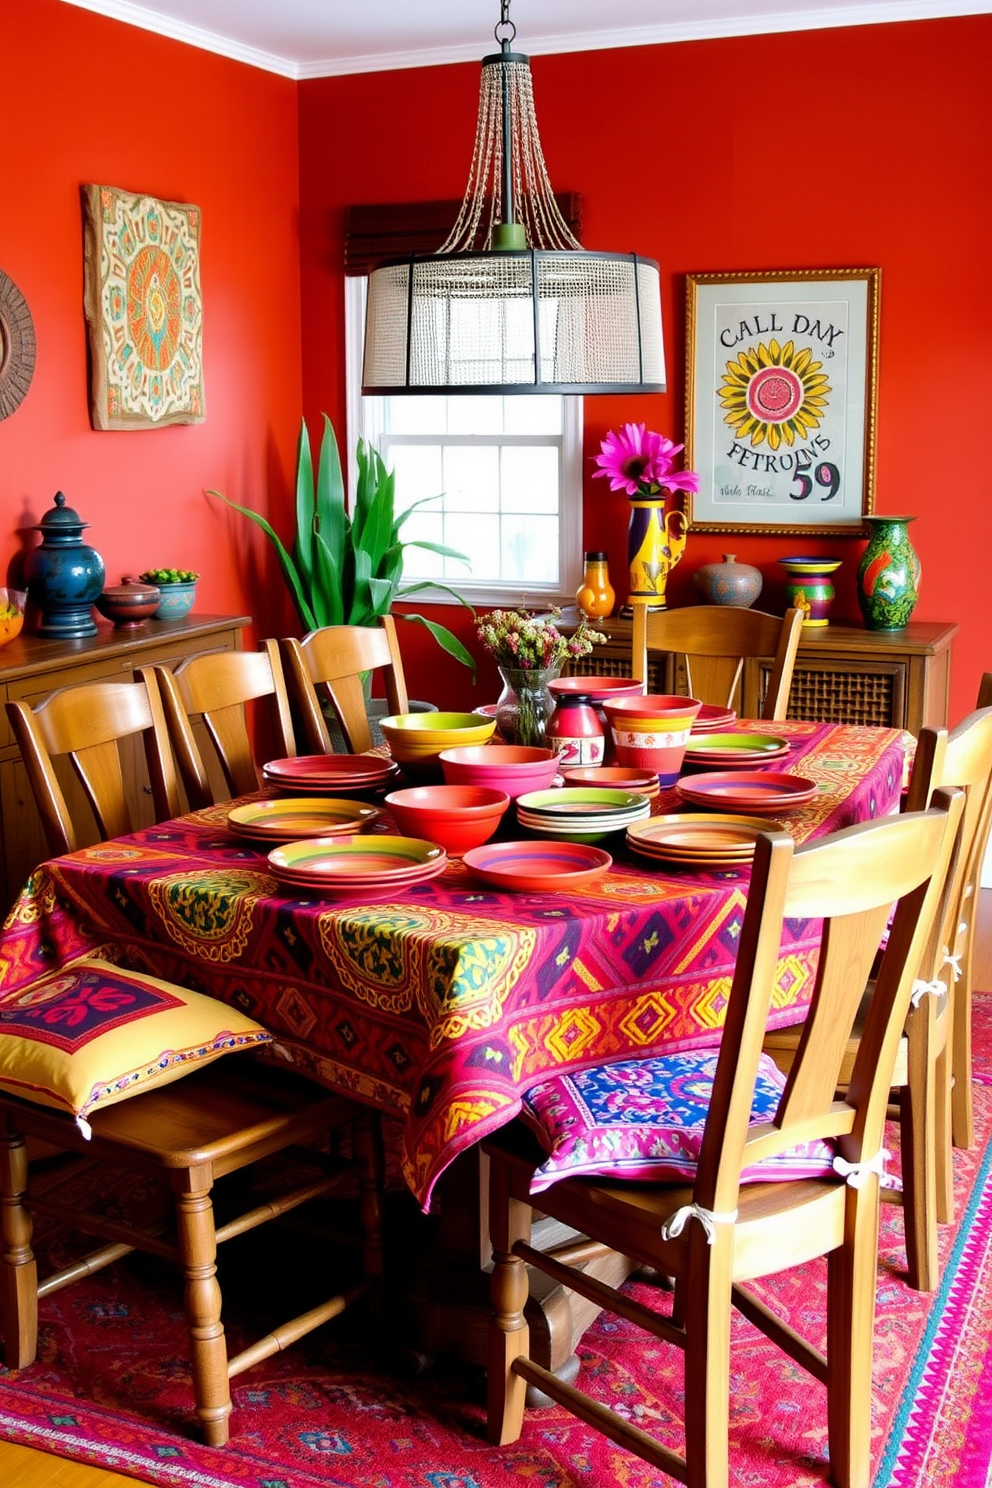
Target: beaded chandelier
{"x": 511, "y": 302}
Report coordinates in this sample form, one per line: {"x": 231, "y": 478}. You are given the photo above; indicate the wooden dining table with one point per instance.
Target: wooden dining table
{"x": 442, "y": 1003}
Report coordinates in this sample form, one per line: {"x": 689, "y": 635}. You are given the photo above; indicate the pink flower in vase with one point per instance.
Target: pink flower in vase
{"x": 639, "y": 462}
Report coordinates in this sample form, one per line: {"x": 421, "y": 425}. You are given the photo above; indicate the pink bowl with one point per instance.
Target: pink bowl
{"x": 598, "y": 689}
{"x": 651, "y": 732}
{"x": 512, "y": 768}
{"x": 456, "y": 817}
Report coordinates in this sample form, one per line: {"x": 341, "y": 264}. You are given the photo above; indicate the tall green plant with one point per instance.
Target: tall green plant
{"x": 347, "y": 569}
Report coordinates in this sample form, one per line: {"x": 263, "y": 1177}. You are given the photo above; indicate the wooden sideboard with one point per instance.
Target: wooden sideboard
{"x": 844, "y": 673}
{"x": 31, "y": 668}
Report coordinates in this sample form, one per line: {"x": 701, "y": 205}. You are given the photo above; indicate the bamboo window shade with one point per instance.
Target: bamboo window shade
{"x": 382, "y": 230}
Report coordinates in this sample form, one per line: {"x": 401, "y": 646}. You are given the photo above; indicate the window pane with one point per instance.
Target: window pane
{"x": 471, "y": 478}
{"x": 425, "y": 527}
{"x": 418, "y": 472}
{"x": 529, "y": 550}
{"x": 529, "y": 480}
{"x": 540, "y": 414}
{"x": 424, "y": 415}
{"x": 468, "y": 415}
{"x": 478, "y": 538}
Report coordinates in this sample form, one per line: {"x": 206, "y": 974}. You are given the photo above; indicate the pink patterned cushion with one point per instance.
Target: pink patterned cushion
{"x": 644, "y": 1118}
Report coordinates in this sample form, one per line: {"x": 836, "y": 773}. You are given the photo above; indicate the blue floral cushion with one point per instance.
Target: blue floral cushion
{"x": 644, "y": 1118}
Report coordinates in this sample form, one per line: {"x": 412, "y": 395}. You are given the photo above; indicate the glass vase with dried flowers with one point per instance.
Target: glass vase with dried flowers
{"x": 529, "y": 651}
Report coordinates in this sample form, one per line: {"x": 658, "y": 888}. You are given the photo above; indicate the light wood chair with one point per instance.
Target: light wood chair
{"x": 330, "y": 663}
{"x": 968, "y": 763}
{"x": 217, "y": 688}
{"x": 89, "y": 725}
{"x": 718, "y": 1233}
{"x": 206, "y": 1125}
{"x": 715, "y": 642}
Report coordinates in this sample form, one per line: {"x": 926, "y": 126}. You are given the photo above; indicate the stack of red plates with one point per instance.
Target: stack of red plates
{"x": 760, "y": 791}
{"x": 372, "y": 867}
{"x": 711, "y": 717}
{"x": 331, "y": 774}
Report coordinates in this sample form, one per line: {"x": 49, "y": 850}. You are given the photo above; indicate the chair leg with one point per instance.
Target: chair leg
{"x": 509, "y": 1335}
{"x": 706, "y": 1296}
{"x": 944, "y": 1166}
{"x": 18, "y": 1267}
{"x": 918, "y": 1136}
{"x": 851, "y": 1281}
{"x": 208, "y": 1346}
{"x": 372, "y": 1185}
{"x": 962, "y": 1121}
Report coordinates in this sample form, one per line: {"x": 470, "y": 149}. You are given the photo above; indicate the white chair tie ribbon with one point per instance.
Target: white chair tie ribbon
{"x": 86, "y": 1131}
{"x": 922, "y": 989}
{"x": 857, "y": 1174}
{"x": 675, "y": 1224}
{"x": 954, "y": 962}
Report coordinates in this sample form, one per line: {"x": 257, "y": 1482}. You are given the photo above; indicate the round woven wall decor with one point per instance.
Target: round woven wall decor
{"x": 17, "y": 346}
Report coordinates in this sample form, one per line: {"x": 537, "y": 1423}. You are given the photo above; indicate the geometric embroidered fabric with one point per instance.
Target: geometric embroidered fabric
{"x": 95, "y": 1033}
{"x": 644, "y": 1118}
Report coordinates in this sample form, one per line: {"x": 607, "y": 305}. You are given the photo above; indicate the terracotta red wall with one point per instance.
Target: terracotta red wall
{"x": 861, "y": 146}
{"x": 86, "y": 99}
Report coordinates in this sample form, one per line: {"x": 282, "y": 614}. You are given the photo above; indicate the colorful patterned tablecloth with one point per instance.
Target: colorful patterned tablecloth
{"x": 444, "y": 1003}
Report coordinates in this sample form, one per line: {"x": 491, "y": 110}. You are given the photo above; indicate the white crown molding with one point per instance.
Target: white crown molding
{"x": 854, "y": 13}
{"x": 208, "y": 41}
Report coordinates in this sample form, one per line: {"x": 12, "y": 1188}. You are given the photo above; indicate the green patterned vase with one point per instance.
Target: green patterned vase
{"x": 888, "y": 575}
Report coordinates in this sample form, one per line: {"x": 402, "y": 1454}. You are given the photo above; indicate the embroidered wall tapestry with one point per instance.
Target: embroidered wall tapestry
{"x": 144, "y": 310}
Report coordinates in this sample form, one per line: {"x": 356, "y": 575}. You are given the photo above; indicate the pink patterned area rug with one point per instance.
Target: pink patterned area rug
{"x": 110, "y": 1386}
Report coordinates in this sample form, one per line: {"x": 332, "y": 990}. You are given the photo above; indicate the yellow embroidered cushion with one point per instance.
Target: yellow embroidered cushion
{"x": 94, "y": 1034}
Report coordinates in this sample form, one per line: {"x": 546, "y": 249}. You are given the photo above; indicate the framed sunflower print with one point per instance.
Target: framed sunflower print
{"x": 144, "y": 310}
{"x": 780, "y": 399}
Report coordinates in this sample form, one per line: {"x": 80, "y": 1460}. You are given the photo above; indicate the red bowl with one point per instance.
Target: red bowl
{"x": 456, "y": 817}
{"x": 512, "y": 768}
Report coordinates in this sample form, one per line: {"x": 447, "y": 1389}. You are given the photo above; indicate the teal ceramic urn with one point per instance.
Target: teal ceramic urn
{"x": 65, "y": 577}
{"x": 888, "y": 575}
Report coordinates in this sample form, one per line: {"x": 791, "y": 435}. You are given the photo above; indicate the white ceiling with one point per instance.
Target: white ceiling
{"x": 319, "y": 38}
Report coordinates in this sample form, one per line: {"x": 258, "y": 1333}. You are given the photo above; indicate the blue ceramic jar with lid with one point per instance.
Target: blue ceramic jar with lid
{"x": 65, "y": 576}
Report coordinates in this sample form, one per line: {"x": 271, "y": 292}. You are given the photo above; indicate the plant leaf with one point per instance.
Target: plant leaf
{"x": 305, "y": 508}
{"x": 406, "y": 590}
{"x": 445, "y": 640}
{"x": 290, "y": 573}
{"x": 326, "y": 594}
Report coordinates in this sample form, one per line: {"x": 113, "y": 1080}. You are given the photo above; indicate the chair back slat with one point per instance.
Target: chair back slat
{"x": 714, "y": 641}
{"x": 329, "y": 665}
{"x": 216, "y": 689}
{"x": 850, "y": 880}
{"x": 88, "y": 724}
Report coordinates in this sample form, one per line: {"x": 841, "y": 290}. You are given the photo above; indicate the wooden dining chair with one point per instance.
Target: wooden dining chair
{"x": 329, "y": 665}
{"x": 716, "y": 642}
{"x": 967, "y": 763}
{"x": 211, "y": 1121}
{"x": 216, "y": 689}
{"x": 713, "y": 1231}
{"x": 89, "y": 725}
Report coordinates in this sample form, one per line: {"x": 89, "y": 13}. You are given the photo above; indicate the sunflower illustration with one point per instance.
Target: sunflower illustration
{"x": 774, "y": 393}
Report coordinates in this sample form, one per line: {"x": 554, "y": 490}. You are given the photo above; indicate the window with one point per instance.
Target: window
{"x": 506, "y": 474}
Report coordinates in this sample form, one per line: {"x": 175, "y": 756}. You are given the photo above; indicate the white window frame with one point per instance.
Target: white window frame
{"x": 570, "y": 552}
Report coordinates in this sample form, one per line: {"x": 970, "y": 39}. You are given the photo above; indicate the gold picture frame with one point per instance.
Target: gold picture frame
{"x": 780, "y": 400}
{"x": 144, "y": 310}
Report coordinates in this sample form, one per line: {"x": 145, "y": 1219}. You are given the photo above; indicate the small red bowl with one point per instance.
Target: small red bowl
{"x": 456, "y": 817}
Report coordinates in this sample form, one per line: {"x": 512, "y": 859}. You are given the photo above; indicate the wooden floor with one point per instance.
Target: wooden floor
{"x": 22, "y": 1468}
